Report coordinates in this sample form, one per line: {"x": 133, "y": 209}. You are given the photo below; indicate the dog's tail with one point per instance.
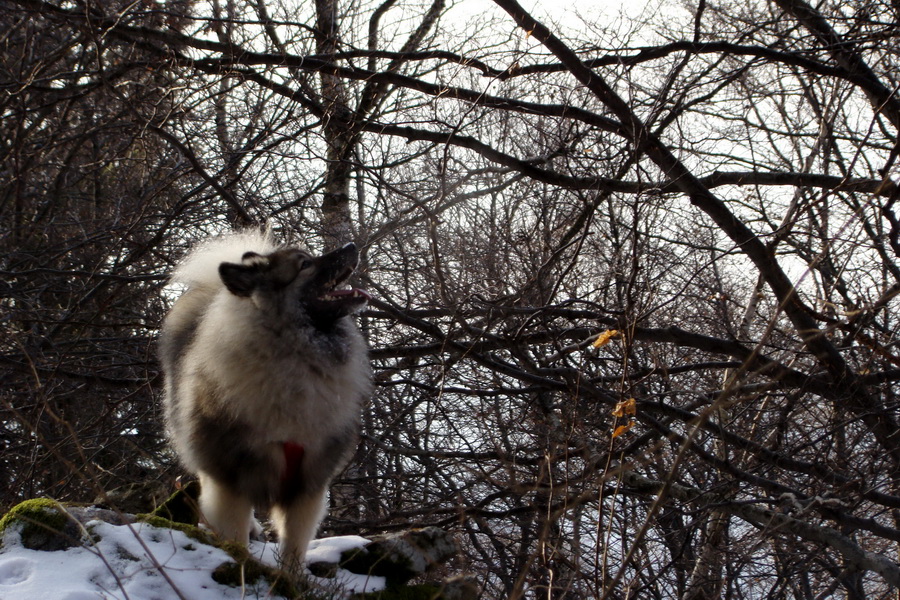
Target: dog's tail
{"x": 200, "y": 268}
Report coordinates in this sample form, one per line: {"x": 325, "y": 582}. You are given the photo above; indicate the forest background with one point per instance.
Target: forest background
{"x": 634, "y": 274}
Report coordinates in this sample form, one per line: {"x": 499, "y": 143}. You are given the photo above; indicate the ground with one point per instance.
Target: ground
{"x": 143, "y": 561}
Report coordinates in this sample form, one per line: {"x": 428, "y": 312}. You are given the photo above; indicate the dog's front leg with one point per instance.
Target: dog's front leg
{"x": 297, "y": 522}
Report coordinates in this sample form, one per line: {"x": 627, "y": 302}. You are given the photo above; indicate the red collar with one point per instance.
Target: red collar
{"x": 293, "y": 457}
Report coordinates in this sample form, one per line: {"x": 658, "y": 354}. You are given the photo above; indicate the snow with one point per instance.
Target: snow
{"x": 329, "y": 550}
{"x": 141, "y": 562}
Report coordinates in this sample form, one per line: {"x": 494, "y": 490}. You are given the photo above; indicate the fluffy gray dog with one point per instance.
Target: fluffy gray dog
{"x": 265, "y": 377}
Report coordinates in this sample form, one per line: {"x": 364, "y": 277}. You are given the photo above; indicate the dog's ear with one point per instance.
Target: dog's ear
{"x": 242, "y": 279}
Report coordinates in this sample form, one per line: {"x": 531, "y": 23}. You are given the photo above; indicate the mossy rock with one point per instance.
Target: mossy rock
{"x": 395, "y": 570}
{"x": 245, "y": 569}
{"x": 400, "y": 557}
{"x": 182, "y": 506}
{"x": 136, "y": 497}
{"x": 192, "y": 531}
{"x": 44, "y": 525}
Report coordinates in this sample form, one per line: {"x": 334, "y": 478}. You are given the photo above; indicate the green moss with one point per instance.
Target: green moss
{"x": 181, "y": 507}
{"x": 44, "y": 525}
{"x": 192, "y": 531}
{"x": 42, "y": 509}
{"x": 235, "y": 550}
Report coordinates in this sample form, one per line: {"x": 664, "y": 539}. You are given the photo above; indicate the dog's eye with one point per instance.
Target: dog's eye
{"x": 304, "y": 261}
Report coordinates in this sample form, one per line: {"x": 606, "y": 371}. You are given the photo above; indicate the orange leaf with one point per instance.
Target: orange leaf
{"x": 625, "y": 407}
{"x": 622, "y": 429}
{"x": 603, "y": 338}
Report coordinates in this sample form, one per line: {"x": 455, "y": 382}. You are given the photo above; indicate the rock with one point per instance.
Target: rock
{"x": 323, "y": 569}
{"x": 47, "y": 525}
{"x": 86, "y": 514}
{"x": 43, "y": 524}
{"x": 204, "y": 536}
{"x": 182, "y": 506}
{"x": 398, "y": 557}
{"x": 246, "y": 569}
{"x": 134, "y": 498}
{"x": 460, "y": 587}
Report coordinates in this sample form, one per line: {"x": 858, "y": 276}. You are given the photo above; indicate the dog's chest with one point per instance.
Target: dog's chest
{"x": 285, "y": 400}
{"x": 283, "y": 386}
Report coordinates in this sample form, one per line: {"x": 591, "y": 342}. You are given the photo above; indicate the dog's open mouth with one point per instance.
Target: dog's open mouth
{"x": 334, "y": 299}
{"x": 349, "y": 296}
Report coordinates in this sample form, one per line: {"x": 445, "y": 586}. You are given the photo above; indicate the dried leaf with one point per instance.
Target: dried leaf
{"x": 622, "y": 429}
{"x": 625, "y": 407}
{"x": 604, "y": 337}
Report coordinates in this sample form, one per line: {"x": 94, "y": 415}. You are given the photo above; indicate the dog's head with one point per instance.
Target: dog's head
{"x": 298, "y": 282}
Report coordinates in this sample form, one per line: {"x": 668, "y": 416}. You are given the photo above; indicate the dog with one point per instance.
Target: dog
{"x": 265, "y": 377}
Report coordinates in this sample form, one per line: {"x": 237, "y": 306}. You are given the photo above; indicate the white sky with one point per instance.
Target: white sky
{"x": 612, "y": 22}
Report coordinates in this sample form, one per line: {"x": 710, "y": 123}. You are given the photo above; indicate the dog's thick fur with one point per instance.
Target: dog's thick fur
{"x": 265, "y": 377}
